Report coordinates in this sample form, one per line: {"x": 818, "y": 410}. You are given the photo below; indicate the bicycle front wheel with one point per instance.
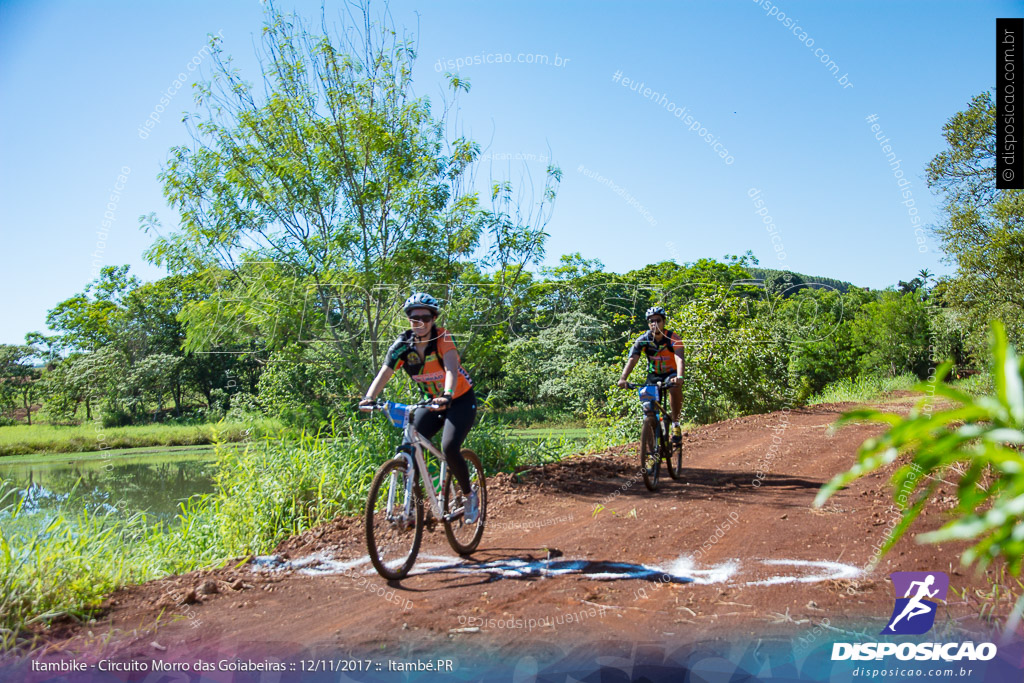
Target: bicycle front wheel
{"x": 464, "y": 538}
{"x": 674, "y": 459}
{"x": 394, "y": 520}
{"x": 650, "y": 453}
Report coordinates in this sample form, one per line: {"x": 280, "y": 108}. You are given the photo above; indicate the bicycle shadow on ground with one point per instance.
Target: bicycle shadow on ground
{"x": 601, "y": 479}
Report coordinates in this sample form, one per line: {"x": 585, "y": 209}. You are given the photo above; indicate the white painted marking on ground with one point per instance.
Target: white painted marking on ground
{"x": 719, "y": 573}
{"x": 682, "y": 570}
{"x": 835, "y": 570}
{"x": 317, "y": 564}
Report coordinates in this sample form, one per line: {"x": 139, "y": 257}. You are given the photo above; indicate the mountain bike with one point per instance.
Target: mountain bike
{"x": 655, "y": 442}
{"x": 394, "y": 509}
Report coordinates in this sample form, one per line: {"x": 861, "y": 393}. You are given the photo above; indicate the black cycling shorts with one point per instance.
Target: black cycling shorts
{"x": 457, "y": 419}
{"x": 662, "y": 377}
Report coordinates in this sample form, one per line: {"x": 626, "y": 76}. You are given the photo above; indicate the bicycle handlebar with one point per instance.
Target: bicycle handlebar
{"x": 379, "y": 404}
{"x": 659, "y": 384}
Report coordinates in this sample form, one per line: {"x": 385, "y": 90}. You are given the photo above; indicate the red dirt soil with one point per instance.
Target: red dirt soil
{"x": 554, "y": 510}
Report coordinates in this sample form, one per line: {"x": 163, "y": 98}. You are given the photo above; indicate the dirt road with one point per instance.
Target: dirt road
{"x": 576, "y": 552}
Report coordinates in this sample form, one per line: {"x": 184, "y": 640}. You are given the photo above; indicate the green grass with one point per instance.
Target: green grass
{"x": 274, "y": 487}
{"x": 146, "y": 453}
{"x": 66, "y": 566}
{"x": 24, "y": 439}
{"x": 862, "y": 388}
{"x": 977, "y": 385}
{"x": 549, "y": 433}
{"x": 537, "y": 417}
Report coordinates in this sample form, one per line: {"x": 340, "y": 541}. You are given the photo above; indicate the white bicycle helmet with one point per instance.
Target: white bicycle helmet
{"x": 655, "y": 310}
{"x": 421, "y": 300}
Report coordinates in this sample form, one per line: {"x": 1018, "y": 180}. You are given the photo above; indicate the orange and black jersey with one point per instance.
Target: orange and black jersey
{"x": 661, "y": 356}
{"x": 428, "y": 370}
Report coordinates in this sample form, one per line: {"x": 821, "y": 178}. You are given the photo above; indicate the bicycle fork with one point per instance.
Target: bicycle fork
{"x": 407, "y": 517}
{"x": 655, "y": 412}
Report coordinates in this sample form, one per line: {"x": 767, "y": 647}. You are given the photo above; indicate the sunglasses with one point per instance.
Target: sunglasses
{"x": 426, "y": 318}
{"x": 658, "y": 319}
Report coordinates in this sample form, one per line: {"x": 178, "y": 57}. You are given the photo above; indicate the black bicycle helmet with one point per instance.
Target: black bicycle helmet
{"x": 655, "y": 310}
{"x": 421, "y": 300}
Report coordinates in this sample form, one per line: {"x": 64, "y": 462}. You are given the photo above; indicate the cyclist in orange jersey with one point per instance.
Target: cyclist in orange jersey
{"x": 428, "y": 355}
{"x": 665, "y": 362}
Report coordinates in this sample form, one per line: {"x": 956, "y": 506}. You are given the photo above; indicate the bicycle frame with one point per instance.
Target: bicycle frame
{"x": 657, "y": 408}
{"x": 418, "y": 442}
{"x": 413, "y": 444}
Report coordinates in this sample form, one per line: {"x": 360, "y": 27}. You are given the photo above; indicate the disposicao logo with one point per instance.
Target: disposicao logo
{"x": 914, "y": 614}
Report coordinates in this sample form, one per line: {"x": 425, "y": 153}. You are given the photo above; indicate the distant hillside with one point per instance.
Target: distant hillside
{"x": 762, "y": 273}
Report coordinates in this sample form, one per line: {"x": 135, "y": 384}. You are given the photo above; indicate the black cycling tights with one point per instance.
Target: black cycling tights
{"x": 457, "y": 420}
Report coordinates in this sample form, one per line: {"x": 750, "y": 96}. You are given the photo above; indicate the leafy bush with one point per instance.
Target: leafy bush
{"x": 561, "y": 368}
{"x": 816, "y": 323}
{"x": 245, "y": 406}
{"x": 978, "y": 437}
{"x": 892, "y": 333}
{"x": 616, "y": 422}
{"x": 307, "y": 387}
{"x": 735, "y": 363}
{"x": 116, "y": 417}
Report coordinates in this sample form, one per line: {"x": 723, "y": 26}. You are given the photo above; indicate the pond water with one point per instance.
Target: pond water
{"x": 153, "y": 481}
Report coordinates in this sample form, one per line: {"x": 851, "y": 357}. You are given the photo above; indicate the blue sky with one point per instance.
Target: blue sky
{"x": 78, "y": 79}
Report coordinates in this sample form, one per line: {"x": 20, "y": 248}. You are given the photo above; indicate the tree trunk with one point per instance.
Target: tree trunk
{"x": 176, "y": 394}
{"x": 28, "y": 407}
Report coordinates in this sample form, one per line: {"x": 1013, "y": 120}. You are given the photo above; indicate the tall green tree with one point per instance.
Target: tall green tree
{"x": 92, "y": 318}
{"x": 982, "y": 227}
{"x": 339, "y": 181}
{"x": 783, "y": 283}
{"x": 19, "y": 378}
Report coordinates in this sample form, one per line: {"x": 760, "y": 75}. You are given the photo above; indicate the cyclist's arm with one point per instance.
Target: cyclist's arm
{"x": 451, "y": 365}
{"x": 379, "y": 381}
{"x": 630, "y": 364}
{"x": 679, "y": 351}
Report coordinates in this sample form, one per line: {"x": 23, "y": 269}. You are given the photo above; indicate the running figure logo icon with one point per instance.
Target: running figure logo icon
{"x": 914, "y": 613}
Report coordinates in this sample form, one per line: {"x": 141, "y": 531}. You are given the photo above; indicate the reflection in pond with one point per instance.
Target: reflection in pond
{"x": 154, "y": 485}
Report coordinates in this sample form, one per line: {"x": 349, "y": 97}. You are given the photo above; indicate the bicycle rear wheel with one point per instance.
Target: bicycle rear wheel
{"x": 394, "y": 521}
{"x": 464, "y": 538}
{"x": 650, "y": 453}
